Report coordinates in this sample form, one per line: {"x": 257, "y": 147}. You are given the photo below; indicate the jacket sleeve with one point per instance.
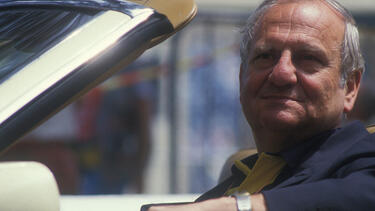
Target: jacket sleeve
{"x": 353, "y": 188}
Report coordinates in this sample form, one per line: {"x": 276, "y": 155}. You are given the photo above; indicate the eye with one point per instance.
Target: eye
{"x": 263, "y": 56}
{"x": 308, "y": 62}
{"x": 310, "y": 58}
{"x": 263, "y": 60}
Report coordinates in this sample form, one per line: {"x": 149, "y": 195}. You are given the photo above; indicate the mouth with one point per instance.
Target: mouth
{"x": 280, "y": 98}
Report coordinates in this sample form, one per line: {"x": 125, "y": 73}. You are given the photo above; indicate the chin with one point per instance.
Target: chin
{"x": 281, "y": 121}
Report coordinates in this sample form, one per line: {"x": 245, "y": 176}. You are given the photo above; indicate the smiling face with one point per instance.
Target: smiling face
{"x": 291, "y": 88}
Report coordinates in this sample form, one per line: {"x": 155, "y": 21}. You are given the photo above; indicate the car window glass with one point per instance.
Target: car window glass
{"x": 26, "y": 33}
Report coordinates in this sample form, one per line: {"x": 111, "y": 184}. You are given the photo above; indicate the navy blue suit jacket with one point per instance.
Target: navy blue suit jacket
{"x": 333, "y": 171}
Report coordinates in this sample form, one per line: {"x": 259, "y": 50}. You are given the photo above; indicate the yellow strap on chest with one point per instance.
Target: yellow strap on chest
{"x": 264, "y": 172}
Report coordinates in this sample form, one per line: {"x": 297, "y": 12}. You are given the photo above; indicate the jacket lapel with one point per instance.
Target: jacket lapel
{"x": 325, "y": 156}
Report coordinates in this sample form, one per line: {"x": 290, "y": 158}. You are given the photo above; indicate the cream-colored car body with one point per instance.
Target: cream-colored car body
{"x": 27, "y": 186}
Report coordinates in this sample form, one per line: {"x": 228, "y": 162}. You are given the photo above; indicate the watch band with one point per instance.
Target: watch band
{"x": 243, "y": 201}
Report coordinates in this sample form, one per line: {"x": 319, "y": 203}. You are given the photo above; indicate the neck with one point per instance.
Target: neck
{"x": 276, "y": 141}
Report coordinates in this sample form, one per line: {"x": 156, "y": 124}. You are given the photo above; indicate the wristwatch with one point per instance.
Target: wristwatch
{"x": 243, "y": 201}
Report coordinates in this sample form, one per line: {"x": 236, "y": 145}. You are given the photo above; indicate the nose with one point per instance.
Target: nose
{"x": 284, "y": 72}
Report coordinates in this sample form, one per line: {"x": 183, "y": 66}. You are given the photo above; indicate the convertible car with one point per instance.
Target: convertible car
{"x": 53, "y": 51}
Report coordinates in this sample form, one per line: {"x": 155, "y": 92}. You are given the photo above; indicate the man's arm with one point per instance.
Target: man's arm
{"x": 354, "y": 192}
{"x": 219, "y": 204}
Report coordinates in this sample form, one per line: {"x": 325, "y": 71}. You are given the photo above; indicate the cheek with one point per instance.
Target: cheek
{"x": 313, "y": 89}
{"x": 321, "y": 92}
{"x": 251, "y": 82}
{"x": 250, "y": 85}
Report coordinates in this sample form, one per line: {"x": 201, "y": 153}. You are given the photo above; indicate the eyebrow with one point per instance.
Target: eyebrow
{"x": 262, "y": 48}
{"x": 315, "y": 50}
{"x": 310, "y": 47}
{"x": 298, "y": 47}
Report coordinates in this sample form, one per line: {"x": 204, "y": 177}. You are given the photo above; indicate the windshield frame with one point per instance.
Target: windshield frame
{"x": 20, "y": 114}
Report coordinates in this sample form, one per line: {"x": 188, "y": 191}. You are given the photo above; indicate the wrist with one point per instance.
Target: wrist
{"x": 223, "y": 203}
{"x": 258, "y": 202}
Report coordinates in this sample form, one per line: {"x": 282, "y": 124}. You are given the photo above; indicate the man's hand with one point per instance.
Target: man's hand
{"x": 219, "y": 204}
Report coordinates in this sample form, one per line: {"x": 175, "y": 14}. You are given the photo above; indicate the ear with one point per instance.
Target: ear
{"x": 351, "y": 90}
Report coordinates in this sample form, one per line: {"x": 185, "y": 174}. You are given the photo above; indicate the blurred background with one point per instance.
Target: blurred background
{"x": 167, "y": 123}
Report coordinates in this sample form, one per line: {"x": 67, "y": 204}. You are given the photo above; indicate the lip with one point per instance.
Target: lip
{"x": 280, "y": 97}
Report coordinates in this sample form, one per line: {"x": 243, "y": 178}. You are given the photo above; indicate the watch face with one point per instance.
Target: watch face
{"x": 53, "y": 51}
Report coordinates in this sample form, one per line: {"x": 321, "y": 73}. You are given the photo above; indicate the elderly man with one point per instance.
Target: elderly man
{"x": 300, "y": 75}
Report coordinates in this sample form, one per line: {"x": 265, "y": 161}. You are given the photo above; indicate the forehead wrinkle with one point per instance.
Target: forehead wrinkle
{"x": 279, "y": 21}
{"x": 294, "y": 34}
{"x": 289, "y": 22}
{"x": 318, "y": 23}
{"x": 295, "y": 27}
{"x": 297, "y": 43}
{"x": 298, "y": 18}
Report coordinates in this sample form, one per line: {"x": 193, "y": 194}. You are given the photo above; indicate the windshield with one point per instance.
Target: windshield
{"x": 26, "y": 33}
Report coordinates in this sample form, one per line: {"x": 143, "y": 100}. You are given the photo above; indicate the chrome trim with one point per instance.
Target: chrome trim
{"x": 69, "y": 55}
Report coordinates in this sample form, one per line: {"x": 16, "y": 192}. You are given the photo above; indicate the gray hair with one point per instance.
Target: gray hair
{"x": 351, "y": 56}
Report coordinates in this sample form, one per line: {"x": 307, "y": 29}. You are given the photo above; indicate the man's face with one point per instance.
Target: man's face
{"x": 293, "y": 75}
